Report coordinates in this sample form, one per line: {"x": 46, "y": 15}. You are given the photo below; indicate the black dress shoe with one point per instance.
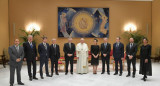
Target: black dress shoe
{"x": 35, "y": 78}
{"x": 20, "y": 83}
{"x": 72, "y": 73}
{"x": 145, "y": 76}
{"x": 66, "y": 73}
{"x": 108, "y": 73}
{"x": 30, "y": 78}
{"x": 128, "y": 75}
{"x": 133, "y": 76}
{"x": 51, "y": 74}
{"x": 57, "y": 73}
{"x": 42, "y": 77}
{"x": 102, "y": 73}
{"x": 11, "y": 84}
{"x": 115, "y": 73}
{"x": 120, "y": 74}
{"x": 48, "y": 76}
{"x": 144, "y": 79}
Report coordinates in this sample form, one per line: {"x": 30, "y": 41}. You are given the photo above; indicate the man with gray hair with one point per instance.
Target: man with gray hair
{"x": 69, "y": 50}
{"x": 30, "y": 56}
{"x": 16, "y": 59}
{"x": 54, "y": 56}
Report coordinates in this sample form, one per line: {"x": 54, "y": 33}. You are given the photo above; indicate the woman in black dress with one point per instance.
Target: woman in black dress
{"x": 145, "y": 60}
{"x": 95, "y": 56}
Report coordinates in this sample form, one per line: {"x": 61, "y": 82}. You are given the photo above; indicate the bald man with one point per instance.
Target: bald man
{"x": 131, "y": 50}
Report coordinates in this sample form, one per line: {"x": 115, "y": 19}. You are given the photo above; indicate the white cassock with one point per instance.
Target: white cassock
{"x": 82, "y": 62}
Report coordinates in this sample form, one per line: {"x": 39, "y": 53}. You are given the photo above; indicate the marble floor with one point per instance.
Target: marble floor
{"x": 86, "y": 79}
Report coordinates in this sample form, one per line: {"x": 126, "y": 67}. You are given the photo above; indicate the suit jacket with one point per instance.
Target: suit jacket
{"x": 14, "y": 55}
{"x": 29, "y": 53}
{"x": 68, "y": 50}
{"x": 118, "y": 52}
{"x": 44, "y": 54}
{"x": 131, "y": 51}
{"x": 106, "y": 50}
{"x": 54, "y": 53}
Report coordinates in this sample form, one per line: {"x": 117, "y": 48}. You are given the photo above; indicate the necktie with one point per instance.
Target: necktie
{"x": 17, "y": 48}
{"x": 70, "y": 45}
{"x": 105, "y": 45}
{"x": 55, "y": 48}
{"x": 131, "y": 45}
{"x": 31, "y": 45}
{"x": 45, "y": 46}
{"x": 117, "y": 45}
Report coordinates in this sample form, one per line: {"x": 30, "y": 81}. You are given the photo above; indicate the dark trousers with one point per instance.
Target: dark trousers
{"x": 33, "y": 62}
{"x": 12, "y": 73}
{"x": 67, "y": 61}
{"x": 133, "y": 61}
{"x": 118, "y": 60}
{"x": 105, "y": 61}
{"x": 54, "y": 64}
{"x": 42, "y": 62}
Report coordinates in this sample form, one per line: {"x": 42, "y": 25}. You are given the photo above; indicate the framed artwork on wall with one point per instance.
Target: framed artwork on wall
{"x": 78, "y": 22}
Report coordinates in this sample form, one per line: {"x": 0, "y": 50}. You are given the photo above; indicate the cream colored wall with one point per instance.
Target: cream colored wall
{"x": 155, "y": 25}
{"x": 44, "y": 13}
{"x": 4, "y": 31}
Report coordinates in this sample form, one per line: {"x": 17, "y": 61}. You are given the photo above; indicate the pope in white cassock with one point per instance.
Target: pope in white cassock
{"x": 82, "y": 54}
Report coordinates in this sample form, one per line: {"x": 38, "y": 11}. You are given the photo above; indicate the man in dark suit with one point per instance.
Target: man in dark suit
{"x": 105, "y": 54}
{"x": 16, "y": 60}
{"x": 118, "y": 54}
{"x": 54, "y": 56}
{"x": 30, "y": 52}
{"x": 43, "y": 50}
{"x": 131, "y": 50}
{"x": 69, "y": 50}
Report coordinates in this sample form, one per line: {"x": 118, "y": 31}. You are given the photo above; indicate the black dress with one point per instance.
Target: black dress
{"x": 145, "y": 53}
{"x": 95, "y": 50}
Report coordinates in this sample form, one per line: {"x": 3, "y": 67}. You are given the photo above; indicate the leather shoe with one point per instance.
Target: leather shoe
{"x": 115, "y": 73}
{"x": 48, "y": 76}
{"x": 102, "y": 73}
{"x": 57, "y": 73}
{"x": 108, "y": 73}
{"x": 35, "y": 78}
{"x": 120, "y": 74}
{"x": 42, "y": 77}
{"x": 30, "y": 78}
{"x": 20, "y": 83}
{"x": 128, "y": 75}
{"x": 133, "y": 76}
{"x": 66, "y": 73}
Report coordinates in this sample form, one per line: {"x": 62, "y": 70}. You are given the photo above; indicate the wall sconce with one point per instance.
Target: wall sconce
{"x": 130, "y": 27}
{"x": 32, "y": 26}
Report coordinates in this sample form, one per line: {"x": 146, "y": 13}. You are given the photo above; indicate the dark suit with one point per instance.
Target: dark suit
{"x": 105, "y": 49}
{"x": 54, "y": 55}
{"x": 118, "y": 53}
{"x": 14, "y": 55}
{"x": 69, "y": 50}
{"x": 30, "y": 55}
{"x": 44, "y": 55}
{"x": 131, "y": 50}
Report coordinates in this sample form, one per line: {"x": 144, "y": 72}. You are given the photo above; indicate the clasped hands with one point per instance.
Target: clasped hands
{"x": 130, "y": 56}
{"x": 25, "y": 58}
{"x": 95, "y": 56}
{"x": 69, "y": 55}
{"x": 18, "y": 60}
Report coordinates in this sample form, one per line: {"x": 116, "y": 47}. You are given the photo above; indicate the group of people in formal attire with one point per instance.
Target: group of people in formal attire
{"x": 51, "y": 53}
